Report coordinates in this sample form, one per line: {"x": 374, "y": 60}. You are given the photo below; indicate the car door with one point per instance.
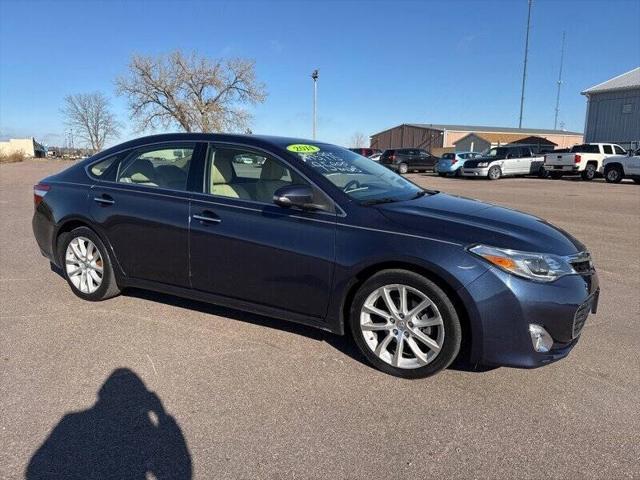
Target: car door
{"x": 142, "y": 207}
{"x": 524, "y": 161}
{"x": 246, "y": 248}
{"x": 426, "y": 160}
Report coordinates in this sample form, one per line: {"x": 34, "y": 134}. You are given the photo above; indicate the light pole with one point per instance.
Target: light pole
{"x": 524, "y": 70}
{"x": 314, "y": 76}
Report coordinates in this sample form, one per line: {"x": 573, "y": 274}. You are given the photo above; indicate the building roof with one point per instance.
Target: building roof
{"x": 630, "y": 79}
{"x": 504, "y": 138}
{"x": 485, "y": 129}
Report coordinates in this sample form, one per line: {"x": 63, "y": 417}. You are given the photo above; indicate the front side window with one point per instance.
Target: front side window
{"x": 247, "y": 175}
{"x": 165, "y": 167}
{"x": 360, "y": 178}
{"x": 619, "y": 150}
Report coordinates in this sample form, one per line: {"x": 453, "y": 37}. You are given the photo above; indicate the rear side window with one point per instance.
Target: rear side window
{"x": 165, "y": 167}
{"x": 106, "y": 169}
{"x": 607, "y": 149}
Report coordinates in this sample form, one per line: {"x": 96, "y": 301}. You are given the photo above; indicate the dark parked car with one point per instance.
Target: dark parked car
{"x": 365, "y": 151}
{"x": 316, "y": 234}
{"x": 403, "y": 160}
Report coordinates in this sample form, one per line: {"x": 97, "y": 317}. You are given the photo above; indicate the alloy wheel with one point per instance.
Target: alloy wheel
{"x": 402, "y": 326}
{"x": 84, "y": 265}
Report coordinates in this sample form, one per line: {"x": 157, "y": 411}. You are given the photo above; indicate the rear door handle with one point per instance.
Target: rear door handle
{"x": 104, "y": 200}
{"x": 209, "y": 218}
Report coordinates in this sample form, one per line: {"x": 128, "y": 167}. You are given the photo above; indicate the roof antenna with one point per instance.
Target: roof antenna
{"x": 524, "y": 71}
{"x": 555, "y": 122}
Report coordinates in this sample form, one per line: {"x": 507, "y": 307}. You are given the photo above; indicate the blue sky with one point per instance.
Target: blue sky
{"x": 381, "y": 62}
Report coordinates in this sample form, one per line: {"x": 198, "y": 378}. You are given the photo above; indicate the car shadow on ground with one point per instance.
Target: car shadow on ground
{"x": 126, "y": 434}
{"x": 342, "y": 343}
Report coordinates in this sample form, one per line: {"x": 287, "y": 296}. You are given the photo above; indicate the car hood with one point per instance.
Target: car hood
{"x": 466, "y": 221}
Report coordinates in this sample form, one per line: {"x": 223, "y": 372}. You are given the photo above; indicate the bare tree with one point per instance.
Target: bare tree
{"x": 90, "y": 117}
{"x": 359, "y": 139}
{"x": 195, "y": 93}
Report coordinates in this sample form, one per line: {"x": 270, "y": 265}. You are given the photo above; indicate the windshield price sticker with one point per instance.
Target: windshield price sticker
{"x": 303, "y": 148}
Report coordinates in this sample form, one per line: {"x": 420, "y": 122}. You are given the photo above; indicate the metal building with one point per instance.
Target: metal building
{"x": 613, "y": 110}
{"x": 438, "y": 138}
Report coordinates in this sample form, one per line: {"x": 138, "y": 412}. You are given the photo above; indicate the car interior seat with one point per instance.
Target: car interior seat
{"x": 222, "y": 177}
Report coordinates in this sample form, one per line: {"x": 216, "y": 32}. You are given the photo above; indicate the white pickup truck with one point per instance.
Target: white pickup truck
{"x": 618, "y": 167}
{"x": 585, "y": 160}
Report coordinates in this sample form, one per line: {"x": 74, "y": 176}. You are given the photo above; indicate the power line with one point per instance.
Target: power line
{"x": 555, "y": 122}
{"x": 524, "y": 71}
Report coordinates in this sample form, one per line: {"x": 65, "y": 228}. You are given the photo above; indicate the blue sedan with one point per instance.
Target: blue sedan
{"x": 450, "y": 163}
{"x": 319, "y": 235}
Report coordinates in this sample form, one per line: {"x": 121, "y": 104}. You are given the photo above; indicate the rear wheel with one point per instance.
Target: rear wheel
{"x": 405, "y": 325}
{"x": 86, "y": 265}
{"x": 402, "y": 168}
{"x": 543, "y": 173}
{"x": 494, "y": 173}
{"x": 613, "y": 174}
{"x": 589, "y": 172}
{"x": 442, "y": 174}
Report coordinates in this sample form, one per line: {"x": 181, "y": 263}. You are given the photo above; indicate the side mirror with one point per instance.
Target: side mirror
{"x": 299, "y": 196}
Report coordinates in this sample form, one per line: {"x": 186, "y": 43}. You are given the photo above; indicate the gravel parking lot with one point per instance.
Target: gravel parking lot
{"x": 242, "y": 396}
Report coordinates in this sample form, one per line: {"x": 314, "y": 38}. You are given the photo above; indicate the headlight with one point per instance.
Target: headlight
{"x": 543, "y": 267}
{"x": 483, "y": 164}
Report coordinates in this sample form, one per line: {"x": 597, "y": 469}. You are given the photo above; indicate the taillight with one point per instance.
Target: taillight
{"x": 453, "y": 162}
{"x": 577, "y": 158}
{"x": 39, "y": 191}
{"x": 392, "y": 158}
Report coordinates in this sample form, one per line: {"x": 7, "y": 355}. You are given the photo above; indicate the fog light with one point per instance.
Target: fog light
{"x": 542, "y": 341}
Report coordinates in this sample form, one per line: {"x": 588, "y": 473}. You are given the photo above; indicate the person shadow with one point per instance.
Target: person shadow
{"x": 126, "y": 434}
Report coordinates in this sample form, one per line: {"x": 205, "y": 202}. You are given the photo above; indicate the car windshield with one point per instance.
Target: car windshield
{"x": 359, "y": 177}
{"x": 449, "y": 156}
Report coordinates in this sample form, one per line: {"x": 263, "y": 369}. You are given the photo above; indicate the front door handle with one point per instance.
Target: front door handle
{"x": 209, "y": 218}
{"x": 104, "y": 200}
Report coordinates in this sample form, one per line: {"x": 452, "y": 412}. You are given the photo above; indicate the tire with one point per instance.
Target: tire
{"x": 84, "y": 284}
{"x": 613, "y": 174}
{"x": 555, "y": 175}
{"x": 458, "y": 173}
{"x": 543, "y": 173}
{"x": 444, "y": 332}
{"x": 402, "y": 168}
{"x": 494, "y": 173}
{"x": 442, "y": 174}
{"x": 589, "y": 172}
{"x": 637, "y": 180}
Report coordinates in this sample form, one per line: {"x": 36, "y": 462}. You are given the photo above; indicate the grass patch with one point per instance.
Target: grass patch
{"x": 12, "y": 157}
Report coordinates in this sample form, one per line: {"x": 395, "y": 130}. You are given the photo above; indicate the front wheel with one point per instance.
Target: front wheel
{"x": 613, "y": 174}
{"x": 405, "y": 325}
{"x": 86, "y": 265}
{"x": 494, "y": 173}
{"x": 589, "y": 172}
{"x": 402, "y": 168}
{"x": 543, "y": 173}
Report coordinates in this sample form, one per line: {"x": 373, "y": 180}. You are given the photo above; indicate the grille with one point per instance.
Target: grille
{"x": 582, "y": 267}
{"x": 581, "y": 315}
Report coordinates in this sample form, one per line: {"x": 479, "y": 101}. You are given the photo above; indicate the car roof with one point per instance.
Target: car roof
{"x": 252, "y": 140}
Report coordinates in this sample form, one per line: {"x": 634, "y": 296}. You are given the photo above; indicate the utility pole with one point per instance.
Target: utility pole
{"x": 555, "y": 122}
{"x": 314, "y": 76}
{"x": 524, "y": 71}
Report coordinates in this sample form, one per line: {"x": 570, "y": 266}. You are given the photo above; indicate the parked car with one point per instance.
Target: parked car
{"x": 584, "y": 160}
{"x": 618, "y": 167}
{"x": 365, "y": 151}
{"x": 324, "y": 237}
{"x": 450, "y": 163}
{"x": 376, "y": 157}
{"x": 403, "y": 160}
{"x": 509, "y": 160}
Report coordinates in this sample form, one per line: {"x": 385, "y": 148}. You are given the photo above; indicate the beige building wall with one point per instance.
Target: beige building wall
{"x": 14, "y": 145}
{"x": 563, "y": 141}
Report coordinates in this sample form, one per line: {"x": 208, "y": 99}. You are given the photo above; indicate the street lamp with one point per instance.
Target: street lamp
{"x": 314, "y": 76}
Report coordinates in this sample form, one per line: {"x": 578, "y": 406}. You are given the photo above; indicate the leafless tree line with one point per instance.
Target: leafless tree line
{"x": 192, "y": 93}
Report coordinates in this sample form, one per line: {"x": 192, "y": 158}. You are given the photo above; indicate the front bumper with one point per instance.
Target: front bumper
{"x": 474, "y": 172}
{"x": 505, "y": 305}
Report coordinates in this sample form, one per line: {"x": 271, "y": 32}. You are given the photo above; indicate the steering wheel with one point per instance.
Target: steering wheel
{"x": 353, "y": 183}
